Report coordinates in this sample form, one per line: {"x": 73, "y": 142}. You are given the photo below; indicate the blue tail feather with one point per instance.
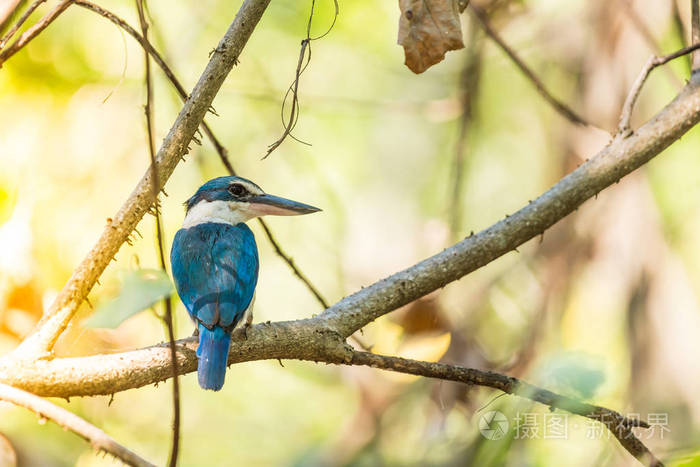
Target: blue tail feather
{"x": 212, "y": 354}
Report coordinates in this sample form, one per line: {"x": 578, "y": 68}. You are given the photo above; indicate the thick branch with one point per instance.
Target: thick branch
{"x": 97, "y": 438}
{"x": 109, "y": 374}
{"x": 300, "y": 340}
{"x": 619, "y": 158}
{"x": 174, "y": 148}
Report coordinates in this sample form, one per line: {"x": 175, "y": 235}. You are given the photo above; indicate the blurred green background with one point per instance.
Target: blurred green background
{"x": 604, "y": 307}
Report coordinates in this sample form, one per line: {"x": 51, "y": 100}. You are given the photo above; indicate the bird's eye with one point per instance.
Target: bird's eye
{"x": 237, "y": 190}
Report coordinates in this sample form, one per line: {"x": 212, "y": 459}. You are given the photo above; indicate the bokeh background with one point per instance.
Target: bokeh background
{"x": 604, "y": 306}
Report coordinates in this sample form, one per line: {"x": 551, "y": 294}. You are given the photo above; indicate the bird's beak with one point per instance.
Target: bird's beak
{"x": 263, "y": 205}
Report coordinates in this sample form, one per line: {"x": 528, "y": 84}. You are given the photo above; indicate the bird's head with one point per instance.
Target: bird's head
{"x": 233, "y": 200}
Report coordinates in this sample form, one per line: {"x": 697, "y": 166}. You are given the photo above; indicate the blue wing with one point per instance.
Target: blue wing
{"x": 215, "y": 267}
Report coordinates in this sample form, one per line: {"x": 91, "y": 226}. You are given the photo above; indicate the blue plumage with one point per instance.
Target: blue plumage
{"x": 214, "y": 261}
{"x": 215, "y": 267}
{"x": 212, "y": 355}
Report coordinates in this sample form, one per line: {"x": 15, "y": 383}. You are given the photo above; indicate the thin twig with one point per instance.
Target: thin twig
{"x": 644, "y": 31}
{"x": 623, "y": 128}
{"x": 558, "y": 105}
{"x": 7, "y": 10}
{"x": 695, "y": 32}
{"x": 32, "y": 32}
{"x": 98, "y": 439}
{"x": 469, "y": 84}
{"x": 20, "y": 22}
{"x": 291, "y": 264}
{"x": 294, "y": 87}
{"x": 167, "y": 301}
{"x": 294, "y": 90}
{"x": 618, "y": 424}
{"x": 220, "y": 149}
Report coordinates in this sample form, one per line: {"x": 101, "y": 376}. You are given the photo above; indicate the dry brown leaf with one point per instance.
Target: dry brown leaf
{"x": 427, "y": 30}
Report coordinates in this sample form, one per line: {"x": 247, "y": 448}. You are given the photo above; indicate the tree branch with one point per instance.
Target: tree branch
{"x": 470, "y": 80}
{"x": 98, "y": 439}
{"x": 11, "y": 32}
{"x": 290, "y": 262}
{"x": 32, "y": 32}
{"x": 695, "y": 32}
{"x": 300, "y": 340}
{"x": 561, "y": 108}
{"x": 7, "y": 11}
{"x": 649, "y": 38}
{"x": 623, "y": 128}
{"x": 174, "y": 148}
{"x": 619, "y": 158}
{"x": 619, "y": 425}
{"x": 167, "y": 301}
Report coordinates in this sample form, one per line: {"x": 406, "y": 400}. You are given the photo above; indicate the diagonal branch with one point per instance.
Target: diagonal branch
{"x": 619, "y": 158}
{"x": 290, "y": 261}
{"x": 563, "y": 109}
{"x": 11, "y": 32}
{"x": 649, "y": 38}
{"x": 8, "y": 9}
{"x": 98, "y": 439}
{"x": 32, "y": 32}
{"x": 174, "y": 148}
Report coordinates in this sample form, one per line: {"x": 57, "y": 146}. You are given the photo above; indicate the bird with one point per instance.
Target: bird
{"x": 214, "y": 262}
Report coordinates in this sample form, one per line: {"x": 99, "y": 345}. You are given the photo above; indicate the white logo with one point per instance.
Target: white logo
{"x": 493, "y": 425}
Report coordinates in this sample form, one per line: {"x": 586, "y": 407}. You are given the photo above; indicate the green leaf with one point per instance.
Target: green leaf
{"x": 141, "y": 290}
